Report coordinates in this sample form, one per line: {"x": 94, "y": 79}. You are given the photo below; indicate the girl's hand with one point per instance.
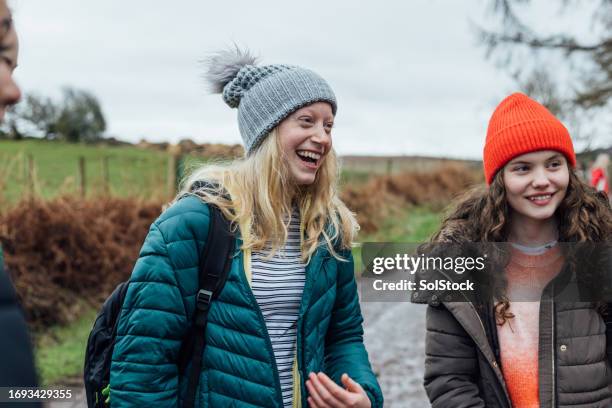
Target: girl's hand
{"x": 325, "y": 393}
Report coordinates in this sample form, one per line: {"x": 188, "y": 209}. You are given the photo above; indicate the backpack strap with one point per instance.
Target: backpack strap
{"x": 213, "y": 271}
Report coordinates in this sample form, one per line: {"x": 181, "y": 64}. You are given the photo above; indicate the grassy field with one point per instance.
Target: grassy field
{"x": 61, "y": 350}
{"x": 396, "y": 164}
{"x": 136, "y": 172}
{"x": 131, "y": 171}
{"x": 414, "y": 224}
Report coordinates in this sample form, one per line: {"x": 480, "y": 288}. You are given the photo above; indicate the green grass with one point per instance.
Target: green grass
{"x": 131, "y": 171}
{"x": 60, "y": 351}
{"x": 413, "y": 225}
{"x": 354, "y": 177}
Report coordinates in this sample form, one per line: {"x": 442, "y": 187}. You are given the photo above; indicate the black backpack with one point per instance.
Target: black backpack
{"x": 213, "y": 270}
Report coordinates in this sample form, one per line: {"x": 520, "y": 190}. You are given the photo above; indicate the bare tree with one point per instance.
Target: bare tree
{"x": 40, "y": 112}
{"x": 80, "y": 118}
{"x": 586, "y": 60}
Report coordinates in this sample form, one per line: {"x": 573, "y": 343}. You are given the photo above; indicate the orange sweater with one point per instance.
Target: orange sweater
{"x": 518, "y": 338}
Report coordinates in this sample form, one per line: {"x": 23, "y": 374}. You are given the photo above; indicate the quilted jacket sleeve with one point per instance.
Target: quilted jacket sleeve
{"x": 450, "y": 362}
{"x": 344, "y": 348}
{"x": 152, "y": 324}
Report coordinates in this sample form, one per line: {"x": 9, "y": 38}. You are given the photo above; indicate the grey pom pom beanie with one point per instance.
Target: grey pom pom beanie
{"x": 264, "y": 95}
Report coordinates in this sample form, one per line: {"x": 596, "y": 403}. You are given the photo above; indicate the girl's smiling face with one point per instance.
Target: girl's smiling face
{"x": 305, "y": 139}
{"x": 536, "y": 183}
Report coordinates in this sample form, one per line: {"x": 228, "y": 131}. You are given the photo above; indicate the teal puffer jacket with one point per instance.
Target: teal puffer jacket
{"x": 238, "y": 362}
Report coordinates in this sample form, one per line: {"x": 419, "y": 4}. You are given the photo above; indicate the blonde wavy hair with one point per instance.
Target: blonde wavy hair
{"x": 254, "y": 191}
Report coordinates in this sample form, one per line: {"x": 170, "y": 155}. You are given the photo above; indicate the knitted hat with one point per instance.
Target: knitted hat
{"x": 520, "y": 125}
{"x": 264, "y": 95}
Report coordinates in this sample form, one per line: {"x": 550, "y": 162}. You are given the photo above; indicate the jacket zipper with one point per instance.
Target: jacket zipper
{"x": 297, "y": 380}
{"x": 297, "y": 386}
{"x": 300, "y": 340}
{"x": 265, "y": 329}
{"x": 553, "y": 352}
{"x": 484, "y": 331}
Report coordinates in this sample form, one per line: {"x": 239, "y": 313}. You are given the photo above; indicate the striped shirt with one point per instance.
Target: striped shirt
{"x": 278, "y": 284}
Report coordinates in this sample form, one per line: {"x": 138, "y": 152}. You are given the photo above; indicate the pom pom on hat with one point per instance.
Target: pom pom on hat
{"x": 224, "y": 65}
{"x": 521, "y": 125}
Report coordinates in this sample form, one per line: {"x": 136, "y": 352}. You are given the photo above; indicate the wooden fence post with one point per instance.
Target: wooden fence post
{"x": 23, "y": 168}
{"x": 105, "y": 175}
{"x": 82, "y": 180}
{"x": 30, "y": 175}
{"x": 172, "y": 173}
{"x": 180, "y": 169}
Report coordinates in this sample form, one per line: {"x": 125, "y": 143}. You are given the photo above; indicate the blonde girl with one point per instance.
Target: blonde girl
{"x": 286, "y": 331}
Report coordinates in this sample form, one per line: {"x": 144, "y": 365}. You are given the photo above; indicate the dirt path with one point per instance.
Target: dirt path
{"x": 395, "y": 339}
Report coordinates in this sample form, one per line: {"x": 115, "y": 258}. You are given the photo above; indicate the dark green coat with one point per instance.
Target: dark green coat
{"x": 238, "y": 362}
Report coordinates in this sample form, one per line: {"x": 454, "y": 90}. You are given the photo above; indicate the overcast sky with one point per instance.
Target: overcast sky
{"x": 409, "y": 76}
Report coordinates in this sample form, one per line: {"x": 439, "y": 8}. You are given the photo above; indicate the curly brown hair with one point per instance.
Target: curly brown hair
{"x": 483, "y": 214}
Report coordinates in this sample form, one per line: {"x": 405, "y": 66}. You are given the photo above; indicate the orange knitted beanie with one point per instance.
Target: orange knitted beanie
{"x": 520, "y": 125}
